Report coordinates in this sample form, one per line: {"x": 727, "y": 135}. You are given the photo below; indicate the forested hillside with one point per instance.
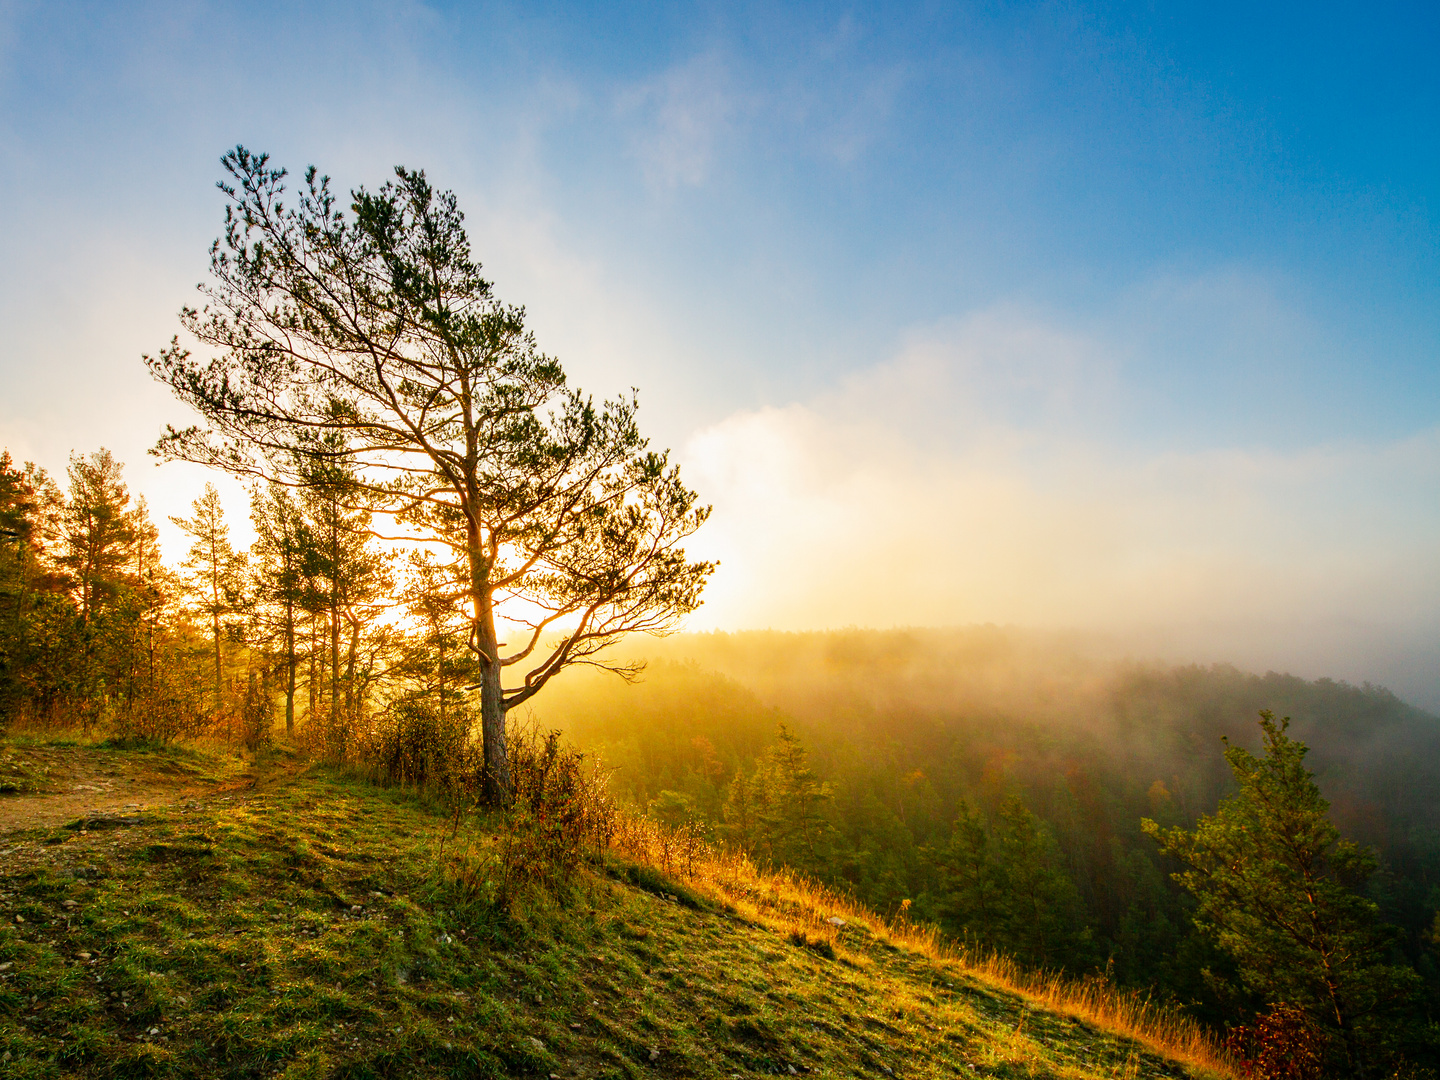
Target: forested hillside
{"x": 996, "y": 781}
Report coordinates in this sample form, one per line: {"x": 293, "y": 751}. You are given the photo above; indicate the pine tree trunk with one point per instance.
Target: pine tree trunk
{"x": 314, "y": 675}
{"x": 492, "y": 696}
{"x": 352, "y": 653}
{"x": 334, "y": 664}
{"x": 289, "y": 669}
{"x": 215, "y": 631}
{"x": 440, "y": 674}
{"x": 492, "y": 721}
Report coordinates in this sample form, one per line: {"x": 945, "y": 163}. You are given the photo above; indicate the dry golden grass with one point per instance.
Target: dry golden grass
{"x": 800, "y": 907}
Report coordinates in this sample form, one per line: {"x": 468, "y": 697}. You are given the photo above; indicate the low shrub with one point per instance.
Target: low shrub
{"x": 560, "y": 816}
{"x": 173, "y": 706}
{"x": 413, "y": 743}
{"x": 561, "y": 812}
{"x": 255, "y": 715}
{"x": 1282, "y": 1044}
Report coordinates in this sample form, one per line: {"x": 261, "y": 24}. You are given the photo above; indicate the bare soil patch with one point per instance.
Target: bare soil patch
{"x": 52, "y": 785}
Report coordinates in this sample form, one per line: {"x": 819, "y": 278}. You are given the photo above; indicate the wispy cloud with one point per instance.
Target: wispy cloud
{"x": 682, "y": 117}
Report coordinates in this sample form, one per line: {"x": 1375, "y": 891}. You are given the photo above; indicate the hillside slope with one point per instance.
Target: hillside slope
{"x": 912, "y": 731}
{"x": 304, "y": 929}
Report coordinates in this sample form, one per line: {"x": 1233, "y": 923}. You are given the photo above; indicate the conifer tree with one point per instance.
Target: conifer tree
{"x": 1004, "y": 885}
{"x": 278, "y": 559}
{"x": 215, "y": 572}
{"x": 1280, "y": 890}
{"x": 435, "y": 656}
{"x": 98, "y": 531}
{"x": 153, "y": 589}
{"x": 973, "y": 882}
{"x": 1045, "y": 912}
{"x": 351, "y": 582}
{"x": 30, "y": 505}
{"x": 777, "y": 810}
{"x": 799, "y": 797}
{"x": 740, "y": 811}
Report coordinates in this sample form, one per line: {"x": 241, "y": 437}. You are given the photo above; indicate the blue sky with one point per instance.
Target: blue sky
{"x": 1118, "y": 316}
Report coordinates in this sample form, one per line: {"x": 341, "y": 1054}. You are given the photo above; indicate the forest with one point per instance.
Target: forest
{"x": 995, "y": 782}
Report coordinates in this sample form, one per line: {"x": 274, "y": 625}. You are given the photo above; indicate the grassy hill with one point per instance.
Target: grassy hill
{"x": 314, "y": 925}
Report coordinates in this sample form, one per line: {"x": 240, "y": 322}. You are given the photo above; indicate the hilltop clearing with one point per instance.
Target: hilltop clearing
{"x": 309, "y": 928}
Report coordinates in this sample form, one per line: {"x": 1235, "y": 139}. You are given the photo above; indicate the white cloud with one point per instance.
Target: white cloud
{"x": 916, "y": 494}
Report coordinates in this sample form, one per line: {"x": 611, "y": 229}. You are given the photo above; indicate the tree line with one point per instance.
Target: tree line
{"x": 317, "y": 626}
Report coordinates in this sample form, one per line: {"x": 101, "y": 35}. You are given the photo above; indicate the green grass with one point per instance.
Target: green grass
{"x": 20, "y": 775}
{"x": 306, "y": 930}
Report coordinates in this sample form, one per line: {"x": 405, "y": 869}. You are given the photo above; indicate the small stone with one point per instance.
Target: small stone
{"x": 82, "y": 956}
{"x": 70, "y": 904}
{"x": 836, "y": 921}
{"x": 537, "y": 1043}
{"x": 654, "y": 1055}
{"x": 19, "y": 918}
{"x": 6, "y": 966}
{"x": 792, "y": 1070}
{"x": 573, "y": 1027}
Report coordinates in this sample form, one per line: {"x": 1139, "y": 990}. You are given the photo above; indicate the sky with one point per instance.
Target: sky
{"x": 1111, "y": 317}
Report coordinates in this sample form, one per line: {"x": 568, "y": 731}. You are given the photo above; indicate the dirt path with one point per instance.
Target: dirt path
{"x": 58, "y": 784}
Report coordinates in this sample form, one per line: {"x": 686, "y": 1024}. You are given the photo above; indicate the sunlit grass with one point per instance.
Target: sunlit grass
{"x": 806, "y": 911}
{"x": 315, "y": 928}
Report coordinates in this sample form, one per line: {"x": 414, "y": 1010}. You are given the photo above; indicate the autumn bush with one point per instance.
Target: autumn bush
{"x": 561, "y": 813}
{"x": 173, "y": 706}
{"x": 560, "y": 817}
{"x": 1282, "y": 1043}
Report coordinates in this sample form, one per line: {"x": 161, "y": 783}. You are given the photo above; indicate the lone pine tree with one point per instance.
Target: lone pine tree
{"x": 369, "y": 339}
